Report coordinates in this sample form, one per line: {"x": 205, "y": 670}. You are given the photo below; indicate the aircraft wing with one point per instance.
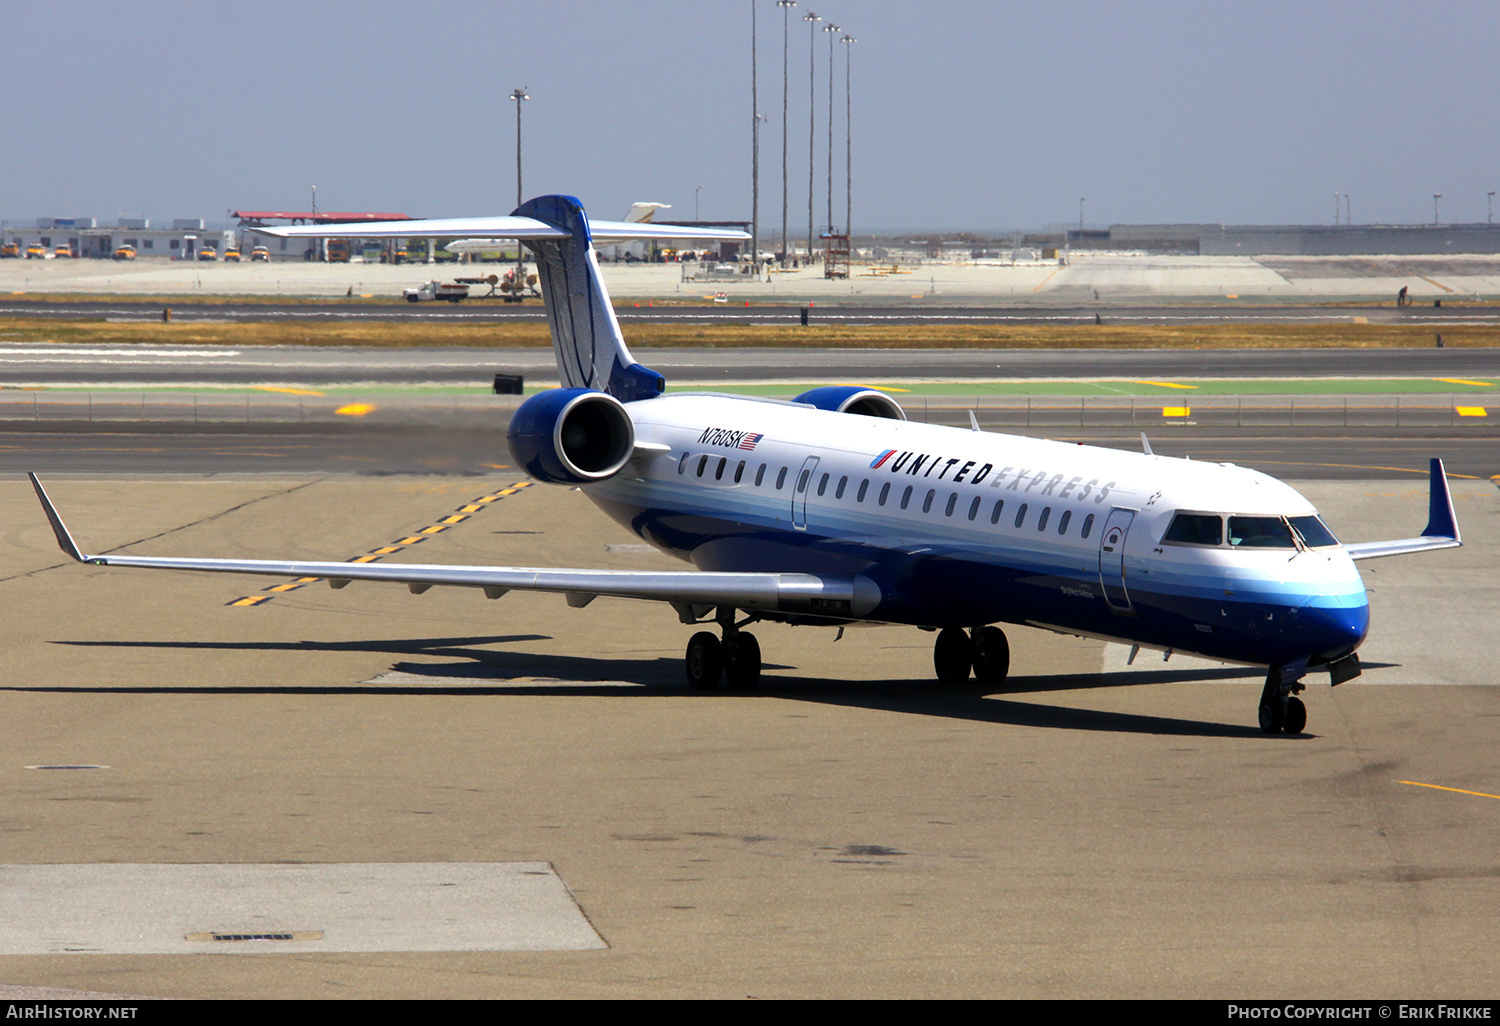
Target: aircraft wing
{"x": 1442, "y": 525}
{"x": 691, "y": 592}
{"x": 507, "y": 227}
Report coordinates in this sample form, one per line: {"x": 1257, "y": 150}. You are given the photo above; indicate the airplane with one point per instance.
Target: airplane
{"x": 833, "y": 509}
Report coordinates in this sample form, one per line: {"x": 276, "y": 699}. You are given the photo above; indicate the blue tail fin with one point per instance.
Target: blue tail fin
{"x": 585, "y": 335}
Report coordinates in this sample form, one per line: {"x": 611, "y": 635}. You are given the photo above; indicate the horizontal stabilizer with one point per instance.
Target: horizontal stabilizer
{"x": 508, "y": 227}
{"x": 1442, "y": 525}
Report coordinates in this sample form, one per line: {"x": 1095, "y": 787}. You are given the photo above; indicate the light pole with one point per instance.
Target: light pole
{"x": 695, "y": 202}
{"x": 519, "y": 96}
{"x": 1081, "y": 200}
{"x": 1348, "y": 211}
{"x": 1490, "y": 219}
{"x": 1335, "y": 210}
{"x": 849, "y": 148}
{"x": 1435, "y": 197}
{"x": 812, "y": 117}
{"x": 785, "y": 6}
{"x": 754, "y": 147}
{"x": 832, "y": 31}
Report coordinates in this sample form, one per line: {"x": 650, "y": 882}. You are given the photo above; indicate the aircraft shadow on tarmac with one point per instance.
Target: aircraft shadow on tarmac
{"x": 485, "y": 672}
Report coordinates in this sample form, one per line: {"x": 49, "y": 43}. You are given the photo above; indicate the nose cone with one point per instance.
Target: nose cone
{"x": 1332, "y": 632}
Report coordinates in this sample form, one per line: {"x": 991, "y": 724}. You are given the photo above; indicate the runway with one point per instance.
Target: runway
{"x": 847, "y": 830}
{"x": 469, "y": 451}
{"x": 823, "y": 311}
{"x": 172, "y": 366}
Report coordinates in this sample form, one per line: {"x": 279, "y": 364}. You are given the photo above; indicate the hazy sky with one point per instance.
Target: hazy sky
{"x": 967, "y": 113}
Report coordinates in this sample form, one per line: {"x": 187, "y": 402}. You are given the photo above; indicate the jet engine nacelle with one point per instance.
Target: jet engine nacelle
{"x": 865, "y": 402}
{"x": 571, "y": 436}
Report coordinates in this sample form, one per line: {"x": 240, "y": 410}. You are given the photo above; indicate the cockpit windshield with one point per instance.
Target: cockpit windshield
{"x": 1314, "y": 533}
{"x": 1249, "y": 532}
{"x": 1260, "y": 533}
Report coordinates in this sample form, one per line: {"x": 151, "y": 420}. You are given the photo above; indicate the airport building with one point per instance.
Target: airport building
{"x": 1292, "y": 240}
{"x": 186, "y": 239}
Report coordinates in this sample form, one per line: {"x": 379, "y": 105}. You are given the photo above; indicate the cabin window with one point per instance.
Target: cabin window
{"x": 995, "y": 513}
{"x": 927, "y": 502}
{"x": 702, "y": 464}
{"x": 760, "y": 475}
{"x": 864, "y": 486}
{"x": 1062, "y": 521}
{"x": 906, "y": 497}
{"x": 838, "y": 493}
{"x": 1021, "y": 515}
{"x": 885, "y": 492}
{"x": 1088, "y": 525}
{"x": 974, "y": 507}
{"x": 1260, "y": 533}
{"x": 723, "y": 462}
{"x": 1195, "y": 529}
{"x": 822, "y": 485}
{"x": 781, "y": 479}
{"x": 739, "y": 472}
{"x": 1315, "y": 534}
{"x": 952, "y": 501}
{"x": 802, "y": 481}
{"x": 1041, "y": 521}
{"x": 683, "y": 462}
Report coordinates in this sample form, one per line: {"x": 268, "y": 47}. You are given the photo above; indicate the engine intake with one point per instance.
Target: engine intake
{"x": 571, "y": 436}
{"x": 863, "y": 402}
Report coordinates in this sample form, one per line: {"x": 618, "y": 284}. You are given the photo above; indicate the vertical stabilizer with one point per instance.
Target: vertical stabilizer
{"x": 586, "y": 338}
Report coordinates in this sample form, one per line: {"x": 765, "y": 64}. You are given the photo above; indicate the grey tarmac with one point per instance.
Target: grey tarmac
{"x": 847, "y": 830}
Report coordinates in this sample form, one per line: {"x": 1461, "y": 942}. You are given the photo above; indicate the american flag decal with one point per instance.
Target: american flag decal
{"x": 750, "y": 441}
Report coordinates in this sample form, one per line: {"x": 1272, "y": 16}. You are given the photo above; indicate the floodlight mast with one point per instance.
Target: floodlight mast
{"x": 812, "y": 118}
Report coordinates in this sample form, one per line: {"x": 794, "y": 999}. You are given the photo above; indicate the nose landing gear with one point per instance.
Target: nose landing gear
{"x": 1281, "y": 711}
{"x": 735, "y": 660}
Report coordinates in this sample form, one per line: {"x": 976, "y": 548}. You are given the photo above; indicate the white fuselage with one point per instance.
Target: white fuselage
{"x": 962, "y": 528}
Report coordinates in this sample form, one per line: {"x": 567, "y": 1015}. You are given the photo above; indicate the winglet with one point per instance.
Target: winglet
{"x": 64, "y": 539}
{"x": 1441, "y": 522}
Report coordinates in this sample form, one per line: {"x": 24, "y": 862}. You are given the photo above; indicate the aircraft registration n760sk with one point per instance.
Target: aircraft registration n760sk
{"x": 832, "y": 509}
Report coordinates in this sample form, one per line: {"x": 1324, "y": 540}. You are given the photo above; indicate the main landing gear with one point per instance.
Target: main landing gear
{"x": 986, "y": 652}
{"x": 1281, "y": 711}
{"x": 734, "y": 660}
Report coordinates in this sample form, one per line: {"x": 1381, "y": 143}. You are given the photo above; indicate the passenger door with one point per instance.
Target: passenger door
{"x": 1112, "y": 558}
{"x": 799, "y": 492}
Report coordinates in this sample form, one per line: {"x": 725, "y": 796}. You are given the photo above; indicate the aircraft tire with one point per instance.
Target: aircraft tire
{"x": 1296, "y": 716}
{"x": 705, "y": 661}
{"x": 1271, "y": 720}
{"x": 741, "y": 661}
{"x": 991, "y": 655}
{"x": 953, "y": 656}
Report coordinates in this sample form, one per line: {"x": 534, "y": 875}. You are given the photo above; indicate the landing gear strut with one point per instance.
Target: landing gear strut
{"x": 735, "y": 660}
{"x": 1281, "y": 711}
{"x": 986, "y": 653}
